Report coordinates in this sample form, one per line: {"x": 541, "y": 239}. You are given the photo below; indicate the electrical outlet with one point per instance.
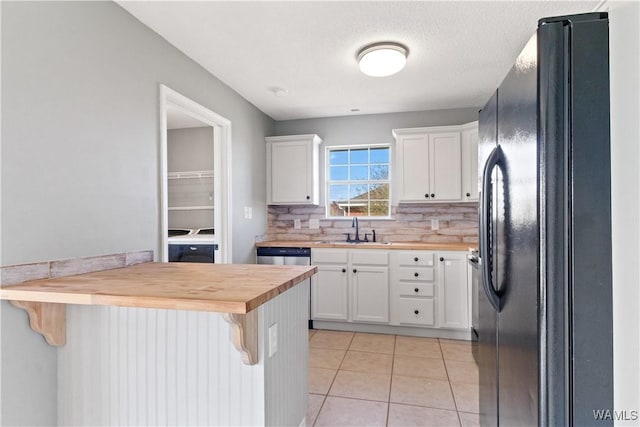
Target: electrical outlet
{"x": 314, "y": 223}
{"x": 248, "y": 212}
{"x": 435, "y": 224}
{"x": 296, "y": 224}
{"x": 273, "y": 339}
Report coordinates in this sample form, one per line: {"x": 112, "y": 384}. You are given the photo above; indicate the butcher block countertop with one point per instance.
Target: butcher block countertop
{"x": 233, "y": 289}
{"x": 227, "y": 288}
{"x": 422, "y": 246}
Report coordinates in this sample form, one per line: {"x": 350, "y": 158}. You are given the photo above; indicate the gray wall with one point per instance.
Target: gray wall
{"x": 190, "y": 149}
{"x": 369, "y": 129}
{"x": 80, "y": 158}
{"x": 625, "y": 203}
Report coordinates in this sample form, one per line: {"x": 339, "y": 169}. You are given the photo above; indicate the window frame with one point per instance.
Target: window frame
{"x": 327, "y": 180}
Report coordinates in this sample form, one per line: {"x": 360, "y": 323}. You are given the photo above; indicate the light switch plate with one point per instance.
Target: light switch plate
{"x": 296, "y": 224}
{"x": 314, "y": 223}
{"x": 435, "y": 224}
{"x": 273, "y": 339}
{"x": 248, "y": 212}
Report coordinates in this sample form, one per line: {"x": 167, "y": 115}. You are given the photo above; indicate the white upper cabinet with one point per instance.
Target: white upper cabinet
{"x": 436, "y": 164}
{"x": 470, "y": 162}
{"x": 444, "y": 166}
{"x": 293, "y": 170}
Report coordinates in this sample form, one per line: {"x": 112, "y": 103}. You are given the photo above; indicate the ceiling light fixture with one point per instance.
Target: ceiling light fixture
{"x": 382, "y": 59}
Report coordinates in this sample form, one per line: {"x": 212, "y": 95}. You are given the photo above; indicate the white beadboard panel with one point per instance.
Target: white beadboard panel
{"x": 134, "y": 366}
{"x": 286, "y": 371}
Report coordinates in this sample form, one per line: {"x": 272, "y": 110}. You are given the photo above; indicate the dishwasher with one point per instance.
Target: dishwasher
{"x": 287, "y": 256}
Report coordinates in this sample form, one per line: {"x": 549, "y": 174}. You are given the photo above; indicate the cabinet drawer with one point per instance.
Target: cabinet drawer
{"x": 416, "y": 311}
{"x": 371, "y": 257}
{"x": 416, "y": 289}
{"x": 419, "y": 274}
{"x": 329, "y": 256}
{"x": 424, "y": 259}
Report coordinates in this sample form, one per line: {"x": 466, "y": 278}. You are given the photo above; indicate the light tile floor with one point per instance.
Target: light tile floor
{"x": 358, "y": 379}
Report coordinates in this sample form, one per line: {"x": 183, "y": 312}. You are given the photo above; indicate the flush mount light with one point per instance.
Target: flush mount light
{"x": 382, "y": 59}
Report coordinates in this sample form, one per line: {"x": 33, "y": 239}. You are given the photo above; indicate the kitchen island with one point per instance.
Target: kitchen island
{"x": 158, "y": 343}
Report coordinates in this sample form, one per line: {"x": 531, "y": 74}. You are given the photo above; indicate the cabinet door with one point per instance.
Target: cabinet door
{"x": 470, "y": 164}
{"x": 413, "y": 167}
{"x": 444, "y": 166}
{"x": 452, "y": 271}
{"x": 329, "y": 293}
{"x": 370, "y": 290}
{"x": 291, "y": 173}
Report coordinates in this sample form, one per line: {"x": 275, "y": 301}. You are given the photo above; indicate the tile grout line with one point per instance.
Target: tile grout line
{"x": 453, "y": 396}
{"x": 393, "y": 364}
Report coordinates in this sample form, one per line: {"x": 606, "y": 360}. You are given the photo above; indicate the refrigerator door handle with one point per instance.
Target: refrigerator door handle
{"x": 495, "y": 159}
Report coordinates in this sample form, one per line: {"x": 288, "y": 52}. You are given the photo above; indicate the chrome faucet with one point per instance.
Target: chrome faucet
{"x": 354, "y": 224}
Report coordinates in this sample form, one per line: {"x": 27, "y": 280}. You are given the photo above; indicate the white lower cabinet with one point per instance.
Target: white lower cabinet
{"x": 394, "y": 288}
{"x": 329, "y": 294}
{"x": 415, "y": 311}
{"x": 452, "y": 280}
{"x": 351, "y": 285}
{"x": 413, "y": 290}
{"x": 370, "y": 290}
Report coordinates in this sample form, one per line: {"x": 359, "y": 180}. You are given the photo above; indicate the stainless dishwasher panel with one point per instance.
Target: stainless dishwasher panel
{"x": 287, "y": 256}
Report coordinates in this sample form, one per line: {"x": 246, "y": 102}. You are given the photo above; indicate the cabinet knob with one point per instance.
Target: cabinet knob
{"x": 355, "y": 271}
{"x": 416, "y": 259}
{"x": 433, "y": 195}
{"x": 468, "y": 194}
{"x": 426, "y": 195}
{"x": 344, "y": 270}
{"x": 417, "y": 290}
{"x": 308, "y": 197}
{"x": 415, "y": 274}
{"x": 416, "y": 311}
{"x": 441, "y": 259}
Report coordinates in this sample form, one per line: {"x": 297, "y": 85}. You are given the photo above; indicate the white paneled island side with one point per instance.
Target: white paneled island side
{"x": 176, "y": 344}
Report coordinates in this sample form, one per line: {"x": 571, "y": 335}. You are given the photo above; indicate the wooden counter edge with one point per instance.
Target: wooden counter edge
{"x": 47, "y": 311}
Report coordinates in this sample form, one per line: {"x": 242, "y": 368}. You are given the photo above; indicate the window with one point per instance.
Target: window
{"x": 358, "y": 181}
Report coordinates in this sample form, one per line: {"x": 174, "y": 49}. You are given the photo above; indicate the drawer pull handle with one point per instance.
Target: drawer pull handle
{"x": 441, "y": 259}
{"x": 344, "y": 270}
{"x": 415, "y": 274}
{"x": 416, "y": 259}
{"x": 355, "y": 271}
{"x": 417, "y": 290}
{"x": 193, "y": 248}
{"x": 416, "y": 311}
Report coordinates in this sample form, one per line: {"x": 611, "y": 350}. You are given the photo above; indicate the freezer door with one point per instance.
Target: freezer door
{"x": 487, "y": 315}
{"x": 517, "y": 238}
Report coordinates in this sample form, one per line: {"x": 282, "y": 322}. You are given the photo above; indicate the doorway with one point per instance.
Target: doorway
{"x": 195, "y": 173}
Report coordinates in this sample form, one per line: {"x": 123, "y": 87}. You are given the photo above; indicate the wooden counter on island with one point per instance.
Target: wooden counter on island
{"x": 148, "y": 344}
{"x": 232, "y": 289}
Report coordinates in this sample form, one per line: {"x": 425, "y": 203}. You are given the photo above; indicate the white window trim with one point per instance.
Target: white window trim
{"x": 326, "y": 180}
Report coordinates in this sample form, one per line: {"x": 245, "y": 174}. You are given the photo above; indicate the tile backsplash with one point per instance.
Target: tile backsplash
{"x": 457, "y": 223}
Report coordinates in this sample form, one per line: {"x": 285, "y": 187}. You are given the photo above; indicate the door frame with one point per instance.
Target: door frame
{"x": 169, "y": 98}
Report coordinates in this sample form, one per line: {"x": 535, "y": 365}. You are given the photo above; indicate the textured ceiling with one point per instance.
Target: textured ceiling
{"x": 459, "y": 51}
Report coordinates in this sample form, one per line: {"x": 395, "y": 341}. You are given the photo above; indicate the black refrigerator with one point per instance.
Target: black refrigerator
{"x": 545, "y": 308}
